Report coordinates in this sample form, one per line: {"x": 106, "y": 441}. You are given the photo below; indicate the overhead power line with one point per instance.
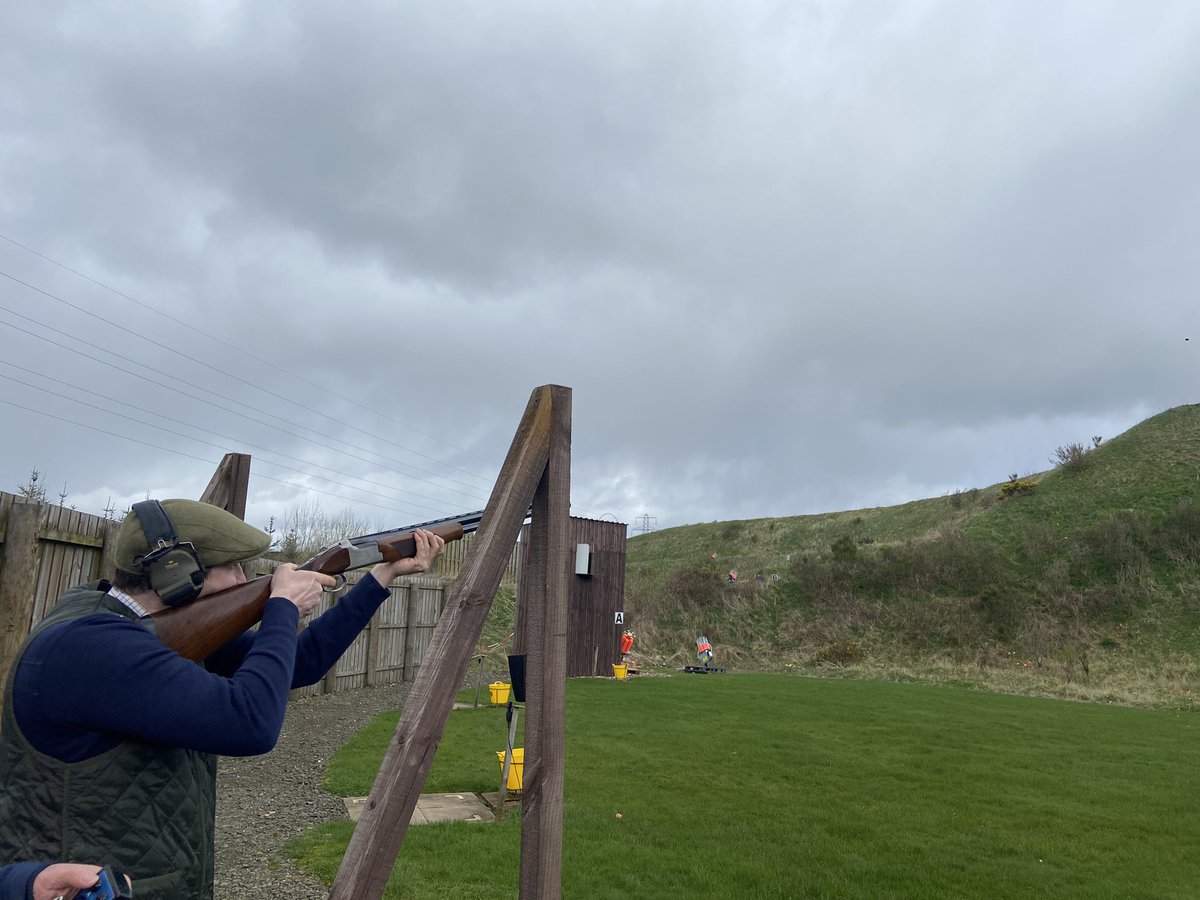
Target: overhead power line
{"x": 211, "y": 462}
{"x": 227, "y": 374}
{"x": 234, "y": 347}
{"x": 159, "y": 427}
{"x": 175, "y": 383}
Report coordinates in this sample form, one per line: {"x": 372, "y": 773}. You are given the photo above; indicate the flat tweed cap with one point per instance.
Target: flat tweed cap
{"x": 219, "y": 537}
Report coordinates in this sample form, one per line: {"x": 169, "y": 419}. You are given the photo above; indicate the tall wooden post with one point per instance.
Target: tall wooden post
{"x": 17, "y": 577}
{"x": 230, "y": 484}
{"x": 373, "y": 849}
{"x": 545, "y": 644}
{"x": 108, "y": 553}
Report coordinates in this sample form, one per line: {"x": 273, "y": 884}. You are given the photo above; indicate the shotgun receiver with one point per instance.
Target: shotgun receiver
{"x": 198, "y": 629}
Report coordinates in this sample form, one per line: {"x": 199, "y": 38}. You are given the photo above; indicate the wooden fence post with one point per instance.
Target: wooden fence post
{"x": 373, "y": 636}
{"x": 376, "y": 842}
{"x": 108, "y": 553}
{"x": 18, "y": 578}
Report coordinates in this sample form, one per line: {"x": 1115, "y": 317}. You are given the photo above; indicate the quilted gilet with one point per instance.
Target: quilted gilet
{"x": 146, "y": 808}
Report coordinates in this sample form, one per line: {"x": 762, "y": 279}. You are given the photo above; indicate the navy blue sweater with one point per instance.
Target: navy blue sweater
{"x": 85, "y": 684}
{"x": 16, "y": 881}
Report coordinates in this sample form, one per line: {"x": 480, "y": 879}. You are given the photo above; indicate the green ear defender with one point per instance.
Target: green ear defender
{"x": 172, "y": 566}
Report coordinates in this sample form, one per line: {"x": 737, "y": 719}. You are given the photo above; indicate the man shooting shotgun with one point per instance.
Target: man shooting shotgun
{"x": 198, "y": 629}
{"x": 112, "y": 721}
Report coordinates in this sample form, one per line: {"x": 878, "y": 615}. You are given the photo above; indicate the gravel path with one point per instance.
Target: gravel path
{"x": 264, "y": 801}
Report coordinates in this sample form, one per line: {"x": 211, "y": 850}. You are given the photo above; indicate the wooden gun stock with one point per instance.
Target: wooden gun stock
{"x": 198, "y": 629}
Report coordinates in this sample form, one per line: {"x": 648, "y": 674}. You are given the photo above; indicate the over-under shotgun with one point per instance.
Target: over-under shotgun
{"x": 200, "y": 628}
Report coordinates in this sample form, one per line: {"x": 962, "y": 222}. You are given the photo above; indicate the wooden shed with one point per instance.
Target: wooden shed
{"x": 596, "y": 594}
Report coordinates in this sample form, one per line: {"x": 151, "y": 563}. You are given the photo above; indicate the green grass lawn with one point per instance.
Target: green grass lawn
{"x": 733, "y": 786}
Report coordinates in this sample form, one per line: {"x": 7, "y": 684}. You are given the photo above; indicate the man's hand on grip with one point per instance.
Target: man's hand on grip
{"x": 302, "y": 587}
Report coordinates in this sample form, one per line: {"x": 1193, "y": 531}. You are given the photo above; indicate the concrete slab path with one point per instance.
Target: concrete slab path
{"x": 435, "y": 808}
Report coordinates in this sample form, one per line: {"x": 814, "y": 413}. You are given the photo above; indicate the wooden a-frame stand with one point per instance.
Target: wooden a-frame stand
{"x": 537, "y": 475}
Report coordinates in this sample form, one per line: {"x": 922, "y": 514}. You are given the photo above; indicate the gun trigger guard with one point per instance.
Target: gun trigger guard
{"x": 338, "y": 584}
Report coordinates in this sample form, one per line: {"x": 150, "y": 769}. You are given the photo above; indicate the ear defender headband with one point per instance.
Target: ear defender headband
{"x": 172, "y": 566}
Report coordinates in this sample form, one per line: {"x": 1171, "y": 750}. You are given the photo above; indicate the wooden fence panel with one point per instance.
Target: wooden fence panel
{"x": 351, "y": 670}
{"x": 70, "y": 551}
{"x": 390, "y": 660}
{"x": 451, "y": 561}
{"x": 68, "y": 557}
{"x": 389, "y": 650}
{"x": 426, "y": 600}
{"x": 388, "y": 641}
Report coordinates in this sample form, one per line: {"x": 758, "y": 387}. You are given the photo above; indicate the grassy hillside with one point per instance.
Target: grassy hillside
{"x": 1081, "y": 580}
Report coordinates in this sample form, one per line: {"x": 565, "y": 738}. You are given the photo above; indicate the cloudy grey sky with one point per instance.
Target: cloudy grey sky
{"x": 791, "y": 257}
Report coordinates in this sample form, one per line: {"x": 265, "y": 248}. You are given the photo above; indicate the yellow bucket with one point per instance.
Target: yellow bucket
{"x": 620, "y": 670}
{"x": 499, "y": 691}
{"x": 515, "y": 768}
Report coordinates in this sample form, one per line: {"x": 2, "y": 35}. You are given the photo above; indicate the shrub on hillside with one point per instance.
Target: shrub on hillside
{"x": 1177, "y": 537}
{"x": 964, "y": 565}
{"x": 1055, "y": 579}
{"x": 1055, "y": 594}
{"x": 848, "y": 611}
{"x": 731, "y": 531}
{"x": 1073, "y": 657}
{"x": 1040, "y": 541}
{"x": 811, "y": 578}
{"x": 1072, "y": 457}
{"x": 839, "y": 654}
{"x": 959, "y": 497}
{"x": 1002, "y": 608}
{"x": 1130, "y": 542}
{"x": 1108, "y": 602}
{"x": 942, "y": 623}
{"x": 950, "y": 563}
{"x": 1016, "y": 487}
{"x": 1038, "y": 637}
{"x": 1116, "y": 542}
{"x": 844, "y": 550}
{"x": 693, "y": 586}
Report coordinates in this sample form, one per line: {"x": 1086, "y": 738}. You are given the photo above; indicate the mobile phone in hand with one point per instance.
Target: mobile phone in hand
{"x": 110, "y": 885}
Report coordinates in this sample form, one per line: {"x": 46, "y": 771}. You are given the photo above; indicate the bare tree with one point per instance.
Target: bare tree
{"x": 307, "y": 528}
